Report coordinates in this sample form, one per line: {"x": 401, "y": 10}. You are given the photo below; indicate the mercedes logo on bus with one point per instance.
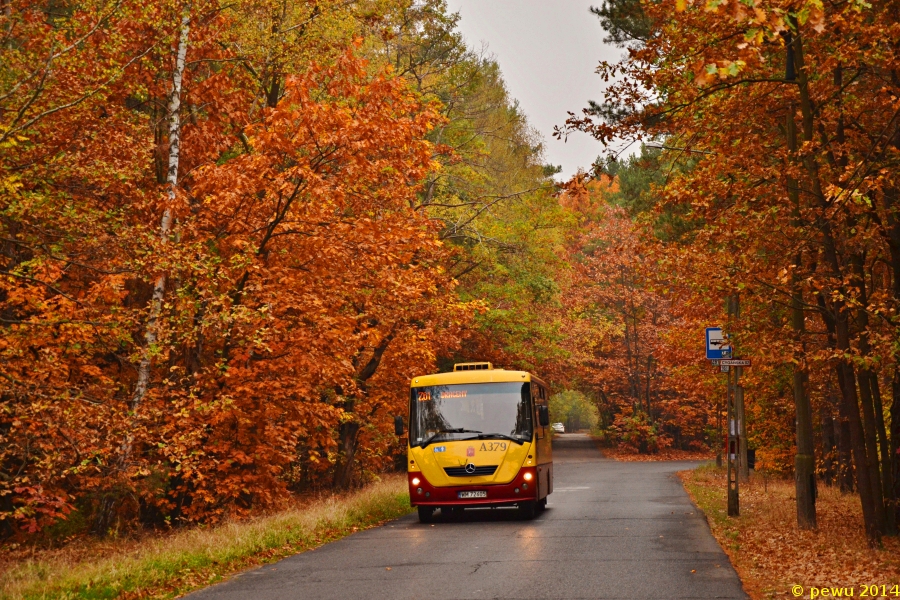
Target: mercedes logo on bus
{"x": 470, "y": 468}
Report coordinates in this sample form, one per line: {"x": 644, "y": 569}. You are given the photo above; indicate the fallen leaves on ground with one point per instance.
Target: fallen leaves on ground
{"x": 771, "y": 554}
{"x": 626, "y": 455}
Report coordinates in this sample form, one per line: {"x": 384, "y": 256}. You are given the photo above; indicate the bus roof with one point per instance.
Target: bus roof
{"x": 482, "y": 376}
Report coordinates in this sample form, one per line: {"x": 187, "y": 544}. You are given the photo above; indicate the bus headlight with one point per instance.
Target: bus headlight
{"x": 528, "y": 476}
{"x": 416, "y": 481}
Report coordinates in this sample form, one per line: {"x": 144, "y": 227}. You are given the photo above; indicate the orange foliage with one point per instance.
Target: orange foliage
{"x": 781, "y": 143}
{"x": 633, "y": 338}
{"x": 302, "y": 288}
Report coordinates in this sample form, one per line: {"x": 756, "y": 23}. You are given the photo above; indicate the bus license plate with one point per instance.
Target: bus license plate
{"x": 479, "y": 494}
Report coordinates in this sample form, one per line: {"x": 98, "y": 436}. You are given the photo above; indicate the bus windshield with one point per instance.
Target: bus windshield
{"x": 470, "y": 411}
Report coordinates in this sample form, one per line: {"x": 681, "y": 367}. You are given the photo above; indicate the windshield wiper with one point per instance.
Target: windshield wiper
{"x": 434, "y": 436}
{"x": 502, "y": 436}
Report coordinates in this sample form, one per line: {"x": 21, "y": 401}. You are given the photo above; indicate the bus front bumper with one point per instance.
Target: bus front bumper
{"x": 522, "y": 488}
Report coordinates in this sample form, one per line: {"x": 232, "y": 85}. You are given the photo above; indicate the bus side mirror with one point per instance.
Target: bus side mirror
{"x": 543, "y": 416}
{"x": 398, "y": 425}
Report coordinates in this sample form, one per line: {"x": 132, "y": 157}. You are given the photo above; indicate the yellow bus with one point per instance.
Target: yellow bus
{"x": 478, "y": 436}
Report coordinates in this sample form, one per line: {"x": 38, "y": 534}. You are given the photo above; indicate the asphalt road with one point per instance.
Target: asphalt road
{"x": 611, "y": 530}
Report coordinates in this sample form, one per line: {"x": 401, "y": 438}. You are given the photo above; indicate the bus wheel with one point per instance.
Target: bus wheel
{"x": 425, "y": 514}
{"x": 542, "y": 504}
{"x": 527, "y": 510}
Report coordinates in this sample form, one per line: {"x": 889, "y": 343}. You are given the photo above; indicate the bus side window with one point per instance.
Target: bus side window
{"x": 537, "y": 394}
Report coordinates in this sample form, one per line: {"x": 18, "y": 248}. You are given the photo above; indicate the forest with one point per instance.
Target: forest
{"x": 779, "y": 136}
{"x": 231, "y": 233}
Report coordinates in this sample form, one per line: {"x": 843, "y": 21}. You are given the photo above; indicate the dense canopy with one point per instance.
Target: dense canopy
{"x": 230, "y": 234}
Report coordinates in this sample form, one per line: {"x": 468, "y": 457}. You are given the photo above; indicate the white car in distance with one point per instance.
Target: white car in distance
{"x": 558, "y": 428}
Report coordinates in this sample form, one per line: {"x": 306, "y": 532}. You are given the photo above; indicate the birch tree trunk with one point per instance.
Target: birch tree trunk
{"x": 165, "y": 227}
{"x": 105, "y": 513}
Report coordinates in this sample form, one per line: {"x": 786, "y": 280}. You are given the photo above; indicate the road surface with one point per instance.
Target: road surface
{"x": 611, "y": 530}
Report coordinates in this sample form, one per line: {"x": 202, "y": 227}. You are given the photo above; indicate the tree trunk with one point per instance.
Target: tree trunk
{"x": 873, "y": 508}
{"x": 872, "y": 505}
{"x": 165, "y": 227}
{"x": 868, "y": 389}
{"x": 105, "y": 512}
{"x": 845, "y": 474}
{"x": 895, "y": 439}
{"x": 887, "y": 475}
{"x": 348, "y": 431}
{"x": 804, "y": 461}
{"x": 893, "y": 242}
{"x": 838, "y": 337}
{"x": 347, "y": 443}
{"x": 829, "y": 447}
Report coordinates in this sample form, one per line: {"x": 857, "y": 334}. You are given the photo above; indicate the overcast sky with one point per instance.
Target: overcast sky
{"x": 548, "y": 51}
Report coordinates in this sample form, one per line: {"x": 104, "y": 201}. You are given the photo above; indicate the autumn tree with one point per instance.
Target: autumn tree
{"x": 188, "y": 370}
{"x": 789, "y": 114}
{"x": 493, "y": 195}
{"x": 231, "y": 234}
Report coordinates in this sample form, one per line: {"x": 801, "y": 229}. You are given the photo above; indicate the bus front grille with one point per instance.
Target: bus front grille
{"x": 479, "y": 471}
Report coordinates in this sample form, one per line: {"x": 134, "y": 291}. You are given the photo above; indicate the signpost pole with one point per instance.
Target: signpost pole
{"x": 719, "y": 351}
{"x": 716, "y": 346}
{"x": 743, "y": 465}
{"x": 719, "y": 440}
{"x": 732, "y": 453}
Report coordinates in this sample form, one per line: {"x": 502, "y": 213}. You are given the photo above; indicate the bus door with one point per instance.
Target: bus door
{"x": 543, "y": 452}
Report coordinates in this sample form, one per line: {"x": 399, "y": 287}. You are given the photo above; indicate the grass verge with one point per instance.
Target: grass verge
{"x": 173, "y": 564}
{"x": 772, "y": 555}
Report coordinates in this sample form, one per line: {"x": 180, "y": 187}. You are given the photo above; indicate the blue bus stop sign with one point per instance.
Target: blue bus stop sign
{"x": 717, "y": 347}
